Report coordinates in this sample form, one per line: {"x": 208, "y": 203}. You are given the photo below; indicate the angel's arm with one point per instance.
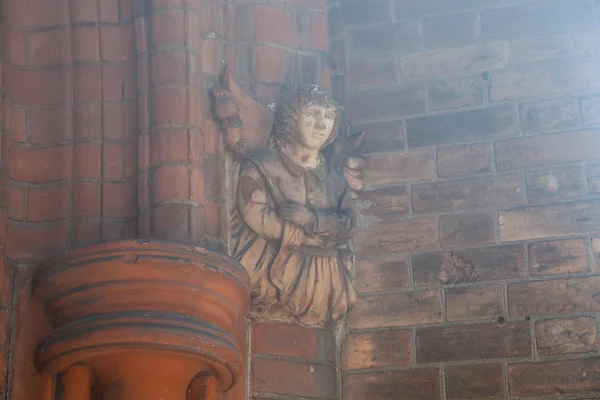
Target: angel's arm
{"x": 253, "y": 204}
{"x": 337, "y": 225}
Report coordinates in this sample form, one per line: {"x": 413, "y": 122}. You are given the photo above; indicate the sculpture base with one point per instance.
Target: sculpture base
{"x": 146, "y": 316}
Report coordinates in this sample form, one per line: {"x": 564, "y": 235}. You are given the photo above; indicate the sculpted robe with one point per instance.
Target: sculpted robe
{"x": 310, "y": 283}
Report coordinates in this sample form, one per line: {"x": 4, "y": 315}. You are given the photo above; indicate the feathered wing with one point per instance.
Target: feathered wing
{"x": 247, "y": 123}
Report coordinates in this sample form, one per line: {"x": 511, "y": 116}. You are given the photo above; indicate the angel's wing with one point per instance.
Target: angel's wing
{"x": 247, "y": 123}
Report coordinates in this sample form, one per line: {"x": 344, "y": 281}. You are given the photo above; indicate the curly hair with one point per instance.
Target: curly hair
{"x": 288, "y": 112}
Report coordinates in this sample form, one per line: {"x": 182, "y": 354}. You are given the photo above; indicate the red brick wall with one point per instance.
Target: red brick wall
{"x": 478, "y": 229}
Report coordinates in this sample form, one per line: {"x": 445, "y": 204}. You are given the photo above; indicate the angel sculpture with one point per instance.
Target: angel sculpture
{"x": 293, "y": 221}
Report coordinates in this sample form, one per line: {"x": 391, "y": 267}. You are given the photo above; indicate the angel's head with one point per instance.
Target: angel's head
{"x": 309, "y": 116}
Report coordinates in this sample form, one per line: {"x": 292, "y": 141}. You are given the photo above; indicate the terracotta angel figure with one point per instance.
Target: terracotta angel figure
{"x": 293, "y": 221}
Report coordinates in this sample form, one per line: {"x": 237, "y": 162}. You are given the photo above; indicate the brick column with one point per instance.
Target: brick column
{"x": 171, "y": 198}
{"x": 70, "y": 138}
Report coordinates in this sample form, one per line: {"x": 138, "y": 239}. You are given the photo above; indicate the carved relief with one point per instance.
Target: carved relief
{"x": 293, "y": 220}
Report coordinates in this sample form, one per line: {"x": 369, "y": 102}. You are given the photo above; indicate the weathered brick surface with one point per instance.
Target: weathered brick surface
{"x": 402, "y": 309}
{"x": 566, "y": 336}
{"x": 575, "y": 377}
{"x": 495, "y": 263}
{"x": 558, "y": 257}
{"x": 374, "y": 350}
{"x": 417, "y": 384}
{"x": 561, "y": 296}
{"x": 382, "y": 274}
{"x": 475, "y": 382}
{"x": 464, "y": 160}
{"x": 555, "y": 114}
{"x": 467, "y": 229}
{"x": 555, "y": 184}
{"x": 396, "y": 236}
{"x": 456, "y": 93}
{"x": 475, "y": 341}
{"x": 468, "y": 303}
{"x": 464, "y": 126}
{"x": 533, "y": 49}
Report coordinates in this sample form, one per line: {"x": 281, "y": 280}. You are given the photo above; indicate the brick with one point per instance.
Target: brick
{"x": 464, "y": 126}
{"x": 171, "y": 183}
{"x": 547, "y": 115}
{"x": 118, "y": 83}
{"x": 15, "y": 199}
{"x": 293, "y": 341}
{"x": 40, "y": 87}
{"x": 473, "y": 342}
{"x": 464, "y": 160}
{"x": 49, "y": 204}
{"x": 383, "y": 136}
{"x": 558, "y": 257}
{"x": 51, "y": 125}
{"x": 86, "y": 199}
{"x": 467, "y": 382}
{"x": 531, "y": 19}
{"x": 593, "y": 177}
{"x": 30, "y": 13}
{"x": 85, "y": 232}
{"x": 109, "y": 11}
{"x": 396, "y": 310}
{"x": 416, "y": 8}
{"x": 371, "y": 71}
{"x": 387, "y": 103}
{"x": 456, "y": 61}
{"x": 85, "y": 43}
{"x": 85, "y": 11}
{"x": 394, "y": 168}
{"x": 396, "y": 236}
{"x": 383, "y": 204}
{"x": 575, "y": 218}
{"x": 88, "y": 81}
{"x": 502, "y": 262}
{"x": 112, "y": 161}
{"x": 318, "y": 38}
{"x": 377, "y": 350}
{"x": 586, "y": 43}
{"x": 468, "y": 303}
{"x": 554, "y": 297}
{"x": 119, "y": 200}
{"x": 467, "y": 194}
{"x": 590, "y": 110}
{"x": 467, "y": 229}
{"x": 540, "y": 151}
{"x": 358, "y": 12}
{"x": 168, "y": 68}
{"x": 415, "y": 384}
{"x": 381, "y": 274}
{"x": 534, "y": 49}
{"x": 170, "y": 221}
{"x": 17, "y": 47}
{"x": 566, "y": 336}
{"x": 456, "y": 93}
{"x": 544, "y": 80}
{"x": 554, "y": 378}
{"x": 119, "y": 121}
{"x": 556, "y": 184}
{"x": 35, "y": 242}
{"x": 50, "y": 47}
{"x": 294, "y": 379}
{"x": 386, "y": 39}
{"x": 275, "y": 25}
{"x": 33, "y": 165}
{"x": 269, "y": 63}
{"x": 450, "y": 30}
{"x": 169, "y": 107}
{"x": 17, "y": 124}
{"x": 87, "y": 161}
{"x": 167, "y": 27}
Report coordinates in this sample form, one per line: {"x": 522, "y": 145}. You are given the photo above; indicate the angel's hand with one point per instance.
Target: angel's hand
{"x": 317, "y": 241}
{"x": 297, "y": 214}
{"x": 353, "y": 171}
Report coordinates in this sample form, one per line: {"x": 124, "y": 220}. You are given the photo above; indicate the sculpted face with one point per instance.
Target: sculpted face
{"x": 314, "y": 126}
